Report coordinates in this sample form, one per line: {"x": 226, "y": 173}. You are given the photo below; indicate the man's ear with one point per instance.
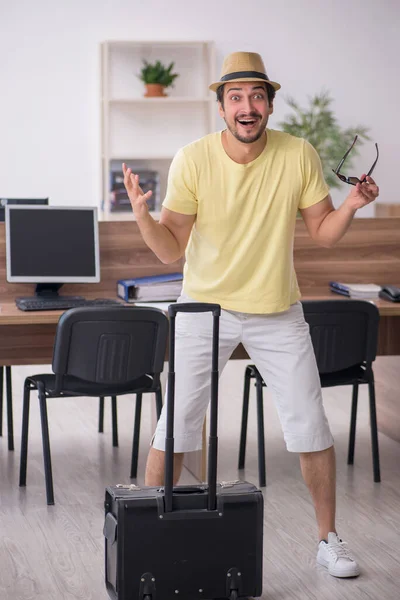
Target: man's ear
{"x": 221, "y": 110}
{"x": 271, "y": 108}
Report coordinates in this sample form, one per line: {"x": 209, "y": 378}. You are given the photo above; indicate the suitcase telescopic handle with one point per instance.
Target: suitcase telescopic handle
{"x": 193, "y": 307}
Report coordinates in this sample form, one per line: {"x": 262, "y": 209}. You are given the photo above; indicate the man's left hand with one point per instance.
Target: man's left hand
{"x": 363, "y": 193}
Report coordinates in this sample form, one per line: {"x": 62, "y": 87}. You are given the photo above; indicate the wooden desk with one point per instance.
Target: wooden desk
{"x": 369, "y": 252}
{"x": 384, "y": 209}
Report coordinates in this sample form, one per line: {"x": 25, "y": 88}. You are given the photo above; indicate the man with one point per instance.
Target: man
{"x": 231, "y": 206}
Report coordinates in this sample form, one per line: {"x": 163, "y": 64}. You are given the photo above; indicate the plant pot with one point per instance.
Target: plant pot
{"x": 154, "y": 90}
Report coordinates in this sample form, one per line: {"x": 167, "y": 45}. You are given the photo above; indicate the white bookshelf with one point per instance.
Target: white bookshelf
{"x": 167, "y": 100}
{"x": 147, "y": 132}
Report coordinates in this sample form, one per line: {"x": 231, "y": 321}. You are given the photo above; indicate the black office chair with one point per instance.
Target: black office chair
{"x": 97, "y": 352}
{"x": 10, "y": 427}
{"x": 114, "y": 421}
{"x": 344, "y": 334}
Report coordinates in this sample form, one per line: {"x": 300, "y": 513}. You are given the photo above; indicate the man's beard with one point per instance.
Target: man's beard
{"x": 248, "y": 139}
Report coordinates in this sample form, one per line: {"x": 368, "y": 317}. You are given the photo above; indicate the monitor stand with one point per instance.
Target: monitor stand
{"x": 49, "y": 291}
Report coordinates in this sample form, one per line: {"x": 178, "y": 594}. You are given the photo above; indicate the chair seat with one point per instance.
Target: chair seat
{"x": 73, "y": 386}
{"x": 350, "y": 376}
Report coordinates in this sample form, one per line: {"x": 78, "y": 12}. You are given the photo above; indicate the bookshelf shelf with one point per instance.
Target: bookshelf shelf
{"x": 168, "y": 100}
{"x": 124, "y": 216}
{"x": 138, "y": 157}
{"x": 158, "y": 44}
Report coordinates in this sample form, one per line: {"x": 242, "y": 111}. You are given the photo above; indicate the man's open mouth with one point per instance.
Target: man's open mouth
{"x": 248, "y": 123}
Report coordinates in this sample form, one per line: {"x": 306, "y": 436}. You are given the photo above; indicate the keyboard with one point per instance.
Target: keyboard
{"x": 62, "y": 303}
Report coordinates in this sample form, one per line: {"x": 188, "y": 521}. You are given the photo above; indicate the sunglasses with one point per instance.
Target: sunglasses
{"x": 354, "y": 180}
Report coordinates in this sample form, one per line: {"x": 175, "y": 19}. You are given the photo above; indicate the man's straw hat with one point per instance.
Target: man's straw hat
{"x": 243, "y": 66}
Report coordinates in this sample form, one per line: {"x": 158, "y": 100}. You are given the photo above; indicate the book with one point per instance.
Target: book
{"x": 356, "y": 290}
{"x": 153, "y": 288}
{"x": 149, "y": 180}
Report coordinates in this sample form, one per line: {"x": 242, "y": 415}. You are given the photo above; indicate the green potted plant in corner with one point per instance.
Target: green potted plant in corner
{"x": 318, "y": 125}
{"x": 157, "y": 77}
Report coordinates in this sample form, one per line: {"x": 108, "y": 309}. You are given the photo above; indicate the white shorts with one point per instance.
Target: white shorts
{"x": 280, "y": 346}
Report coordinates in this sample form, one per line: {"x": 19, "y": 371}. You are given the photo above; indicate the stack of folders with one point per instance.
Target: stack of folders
{"x": 366, "y": 291}
{"x": 156, "y": 288}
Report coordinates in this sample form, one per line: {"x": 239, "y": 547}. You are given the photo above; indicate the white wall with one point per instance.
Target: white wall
{"x": 49, "y": 76}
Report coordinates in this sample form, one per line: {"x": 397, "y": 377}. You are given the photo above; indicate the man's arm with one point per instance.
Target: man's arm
{"x": 169, "y": 237}
{"x": 326, "y": 225}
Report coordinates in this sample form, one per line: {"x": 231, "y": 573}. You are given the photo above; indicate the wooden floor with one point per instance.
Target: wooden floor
{"x": 56, "y": 552}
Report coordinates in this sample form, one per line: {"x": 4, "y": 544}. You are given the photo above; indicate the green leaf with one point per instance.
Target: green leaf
{"x": 157, "y": 73}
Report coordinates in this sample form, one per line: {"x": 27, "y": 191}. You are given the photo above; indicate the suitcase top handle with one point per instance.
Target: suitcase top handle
{"x": 173, "y": 309}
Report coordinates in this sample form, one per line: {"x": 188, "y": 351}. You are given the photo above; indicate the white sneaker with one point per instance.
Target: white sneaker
{"x": 336, "y": 557}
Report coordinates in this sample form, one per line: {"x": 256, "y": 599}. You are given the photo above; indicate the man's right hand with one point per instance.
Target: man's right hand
{"x": 137, "y": 197}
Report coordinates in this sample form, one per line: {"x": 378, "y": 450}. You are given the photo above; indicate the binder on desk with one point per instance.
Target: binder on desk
{"x": 151, "y": 289}
{"x": 356, "y": 290}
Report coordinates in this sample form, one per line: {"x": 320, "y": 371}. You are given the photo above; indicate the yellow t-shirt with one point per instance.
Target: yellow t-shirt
{"x": 240, "y": 251}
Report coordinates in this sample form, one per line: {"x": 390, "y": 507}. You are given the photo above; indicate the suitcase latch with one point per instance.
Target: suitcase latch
{"x": 226, "y": 484}
{"x": 132, "y": 487}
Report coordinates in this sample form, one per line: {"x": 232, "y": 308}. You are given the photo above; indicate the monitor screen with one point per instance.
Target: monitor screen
{"x": 5, "y": 201}
{"x": 52, "y": 244}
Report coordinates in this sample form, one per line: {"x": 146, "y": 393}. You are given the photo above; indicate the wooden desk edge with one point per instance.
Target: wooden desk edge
{"x": 11, "y": 315}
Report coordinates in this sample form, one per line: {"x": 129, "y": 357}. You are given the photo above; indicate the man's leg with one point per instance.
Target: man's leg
{"x": 281, "y": 348}
{"x": 193, "y": 350}
{"x": 319, "y": 473}
{"x": 155, "y": 467}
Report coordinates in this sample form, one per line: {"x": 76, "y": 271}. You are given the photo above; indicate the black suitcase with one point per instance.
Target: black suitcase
{"x": 187, "y": 542}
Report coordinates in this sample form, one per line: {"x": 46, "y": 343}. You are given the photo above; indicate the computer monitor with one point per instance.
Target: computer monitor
{"x": 51, "y": 246}
{"x": 26, "y": 201}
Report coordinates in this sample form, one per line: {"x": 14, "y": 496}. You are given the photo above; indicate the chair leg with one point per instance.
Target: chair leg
{"x": 260, "y": 426}
{"x": 10, "y": 424}
{"x": 374, "y": 430}
{"x": 245, "y": 414}
{"x": 46, "y": 446}
{"x": 114, "y": 421}
{"x": 1, "y": 399}
{"x": 101, "y": 414}
{"x": 353, "y": 421}
{"x": 24, "y": 435}
{"x": 158, "y": 403}
{"x": 136, "y": 435}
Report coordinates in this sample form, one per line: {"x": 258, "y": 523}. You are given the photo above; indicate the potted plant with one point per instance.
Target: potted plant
{"x": 318, "y": 124}
{"x": 157, "y": 77}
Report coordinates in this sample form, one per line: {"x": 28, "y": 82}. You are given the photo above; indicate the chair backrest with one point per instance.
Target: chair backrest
{"x": 110, "y": 345}
{"x": 344, "y": 332}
